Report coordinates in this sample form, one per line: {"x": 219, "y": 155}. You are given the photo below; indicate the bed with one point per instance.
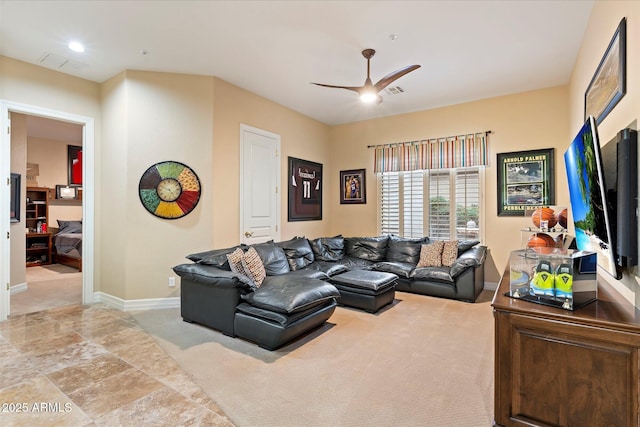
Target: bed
{"x": 67, "y": 244}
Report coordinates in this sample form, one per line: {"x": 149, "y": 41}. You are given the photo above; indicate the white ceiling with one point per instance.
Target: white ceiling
{"x": 468, "y": 50}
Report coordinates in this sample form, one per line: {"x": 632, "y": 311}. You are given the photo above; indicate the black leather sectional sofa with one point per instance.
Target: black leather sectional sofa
{"x": 296, "y": 295}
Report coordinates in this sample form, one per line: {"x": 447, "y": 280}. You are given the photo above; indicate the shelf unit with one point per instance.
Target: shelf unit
{"x": 38, "y": 249}
{"x": 38, "y": 245}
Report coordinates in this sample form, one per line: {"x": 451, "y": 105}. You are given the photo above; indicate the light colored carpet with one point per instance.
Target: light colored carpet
{"x": 48, "y": 287}
{"x": 421, "y": 362}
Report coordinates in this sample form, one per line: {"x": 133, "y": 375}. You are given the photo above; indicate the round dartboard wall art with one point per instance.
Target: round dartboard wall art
{"x": 169, "y": 190}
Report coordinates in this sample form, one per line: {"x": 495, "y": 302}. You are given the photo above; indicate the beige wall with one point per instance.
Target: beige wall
{"x": 524, "y": 121}
{"x": 51, "y": 158}
{"x": 603, "y": 22}
{"x": 301, "y": 137}
{"x": 37, "y": 86}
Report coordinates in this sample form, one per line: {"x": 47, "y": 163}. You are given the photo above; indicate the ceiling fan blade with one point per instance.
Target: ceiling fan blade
{"x": 353, "y": 88}
{"x": 390, "y": 78}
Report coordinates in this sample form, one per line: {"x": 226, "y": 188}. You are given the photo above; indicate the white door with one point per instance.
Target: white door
{"x": 259, "y": 182}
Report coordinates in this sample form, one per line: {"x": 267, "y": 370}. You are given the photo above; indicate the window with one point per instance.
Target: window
{"x": 442, "y": 203}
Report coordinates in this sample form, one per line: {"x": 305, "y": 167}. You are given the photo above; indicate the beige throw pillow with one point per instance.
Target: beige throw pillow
{"x": 253, "y": 266}
{"x": 431, "y": 254}
{"x": 235, "y": 261}
{"x": 449, "y": 253}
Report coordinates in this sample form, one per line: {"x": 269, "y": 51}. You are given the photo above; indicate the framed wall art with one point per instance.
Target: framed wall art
{"x": 74, "y": 164}
{"x": 169, "y": 190}
{"x": 352, "y": 187}
{"x": 609, "y": 83}
{"x": 525, "y": 179}
{"x": 66, "y": 192}
{"x": 305, "y": 190}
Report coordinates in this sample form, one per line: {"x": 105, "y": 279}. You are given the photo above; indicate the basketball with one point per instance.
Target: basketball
{"x": 562, "y": 218}
{"x": 541, "y": 240}
{"x": 544, "y": 214}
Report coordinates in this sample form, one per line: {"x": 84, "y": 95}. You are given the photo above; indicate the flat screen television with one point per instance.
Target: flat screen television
{"x": 587, "y": 192}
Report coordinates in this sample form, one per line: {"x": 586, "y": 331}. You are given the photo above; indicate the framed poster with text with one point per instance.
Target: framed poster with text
{"x": 305, "y": 190}
{"x": 525, "y": 180}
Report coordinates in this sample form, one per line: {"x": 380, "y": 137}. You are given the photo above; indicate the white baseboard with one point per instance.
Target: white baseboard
{"x": 16, "y": 289}
{"x": 136, "y": 304}
{"x": 490, "y": 286}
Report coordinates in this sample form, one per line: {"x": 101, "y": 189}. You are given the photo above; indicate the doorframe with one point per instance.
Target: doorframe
{"x": 88, "y": 196}
{"x": 246, "y": 128}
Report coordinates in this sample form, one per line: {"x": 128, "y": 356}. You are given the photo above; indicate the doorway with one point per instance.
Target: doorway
{"x": 88, "y": 184}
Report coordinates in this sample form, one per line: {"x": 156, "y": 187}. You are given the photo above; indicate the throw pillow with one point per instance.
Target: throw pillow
{"x": 235, "y": 261}
{"x": 449, "y": 253}
{"x": 431, "y": 254}
{"x": 253, "y": 266}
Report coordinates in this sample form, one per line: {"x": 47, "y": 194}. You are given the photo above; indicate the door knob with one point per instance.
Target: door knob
{"x": 248, "y": 233}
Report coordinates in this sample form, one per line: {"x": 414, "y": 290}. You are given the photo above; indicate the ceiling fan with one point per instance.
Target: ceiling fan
{"x": 369, "y": 91}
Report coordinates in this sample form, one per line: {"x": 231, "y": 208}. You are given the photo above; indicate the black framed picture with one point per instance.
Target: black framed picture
{"x": 305, "y": 190}
{"x": 352, "y": 187}
{"x": 14, "y": 210}
{"x": 609, "y": 83}
{"x": 66, "y": 192}
{"x": 525, "y": 179}
{"x": 74, "y": 165}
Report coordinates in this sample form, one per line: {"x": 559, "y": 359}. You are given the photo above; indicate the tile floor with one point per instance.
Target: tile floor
{"x": 93, "y": 366}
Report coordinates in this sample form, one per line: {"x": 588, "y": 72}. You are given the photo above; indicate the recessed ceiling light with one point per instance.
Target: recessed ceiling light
{"x": 76, "y": 47}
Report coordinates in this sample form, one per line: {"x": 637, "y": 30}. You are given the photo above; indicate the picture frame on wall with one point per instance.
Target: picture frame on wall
{"x": 353, "y": 187}
{"x": 66, "y": 192}
{"x": 305, "y": 190}
{"x": 14, "y": 210}
{"x": 74, "y": 165}
{"x": 526, "y": 179}
{"x": 609, "y": 82}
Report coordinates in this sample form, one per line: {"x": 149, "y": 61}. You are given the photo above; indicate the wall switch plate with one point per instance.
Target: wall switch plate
{"x": 172, "y": 281}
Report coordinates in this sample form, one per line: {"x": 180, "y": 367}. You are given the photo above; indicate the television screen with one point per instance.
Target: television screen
{"x": 587, "y": 192}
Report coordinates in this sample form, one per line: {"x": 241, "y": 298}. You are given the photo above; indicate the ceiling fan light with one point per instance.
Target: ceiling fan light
{"x": 369, "y": 97}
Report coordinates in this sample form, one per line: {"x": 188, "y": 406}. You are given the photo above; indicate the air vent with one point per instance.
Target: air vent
{"x": 394, "y": 90}
{"x": 52, "y": 60}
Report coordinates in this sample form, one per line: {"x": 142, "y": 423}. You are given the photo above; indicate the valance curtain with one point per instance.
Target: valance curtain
{"x": 440, "y": 153}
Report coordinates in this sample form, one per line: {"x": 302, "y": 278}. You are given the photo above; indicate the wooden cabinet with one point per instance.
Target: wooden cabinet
{"x": 555, "y": 367}
{"x": 37, "y": 213}
{"x": 38, "y": 249}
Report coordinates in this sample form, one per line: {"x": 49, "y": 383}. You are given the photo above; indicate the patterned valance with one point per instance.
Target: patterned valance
{"x": 440, "y": 153}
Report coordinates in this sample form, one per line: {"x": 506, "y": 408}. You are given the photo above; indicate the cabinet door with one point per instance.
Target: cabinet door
{"x": 564, "y": 374}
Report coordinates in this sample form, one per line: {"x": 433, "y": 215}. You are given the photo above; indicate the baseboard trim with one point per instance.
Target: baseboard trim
{"x": 136, "y": 304}
{"x": 490, "y": 286}
{"x": 16, "y": 289}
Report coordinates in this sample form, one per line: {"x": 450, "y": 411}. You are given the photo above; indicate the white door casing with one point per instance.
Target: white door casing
{"x": 88, "y": 196}
{"x": 259, "y": 185}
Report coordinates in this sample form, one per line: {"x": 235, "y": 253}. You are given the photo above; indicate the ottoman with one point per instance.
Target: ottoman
{"x": 364, "y": 289}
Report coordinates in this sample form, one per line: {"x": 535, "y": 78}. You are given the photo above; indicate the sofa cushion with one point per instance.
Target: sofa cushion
{"x": 465, "y": 245}
{"x": 217, "y": 257}
{"x": 369, "y": 248}
{"x": 328, "y": 248}
{"x": 431, "y": 254}
{"x": 441, "y": 274}
{"x": 282, "y": 319}
{"x": 351, "y": 263}
{"x": 449, "y": 253}
{"x": 290, "y": 295}
{"x": 327, "y": 267}
{"x": 473, "y": 257}
{"x": 401, "y": 269}
{"x": 253, "y": 266}
{"x": 298, "y": 251}
{"x": 273, "y": 258}
{"x": 403, "y": 249}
